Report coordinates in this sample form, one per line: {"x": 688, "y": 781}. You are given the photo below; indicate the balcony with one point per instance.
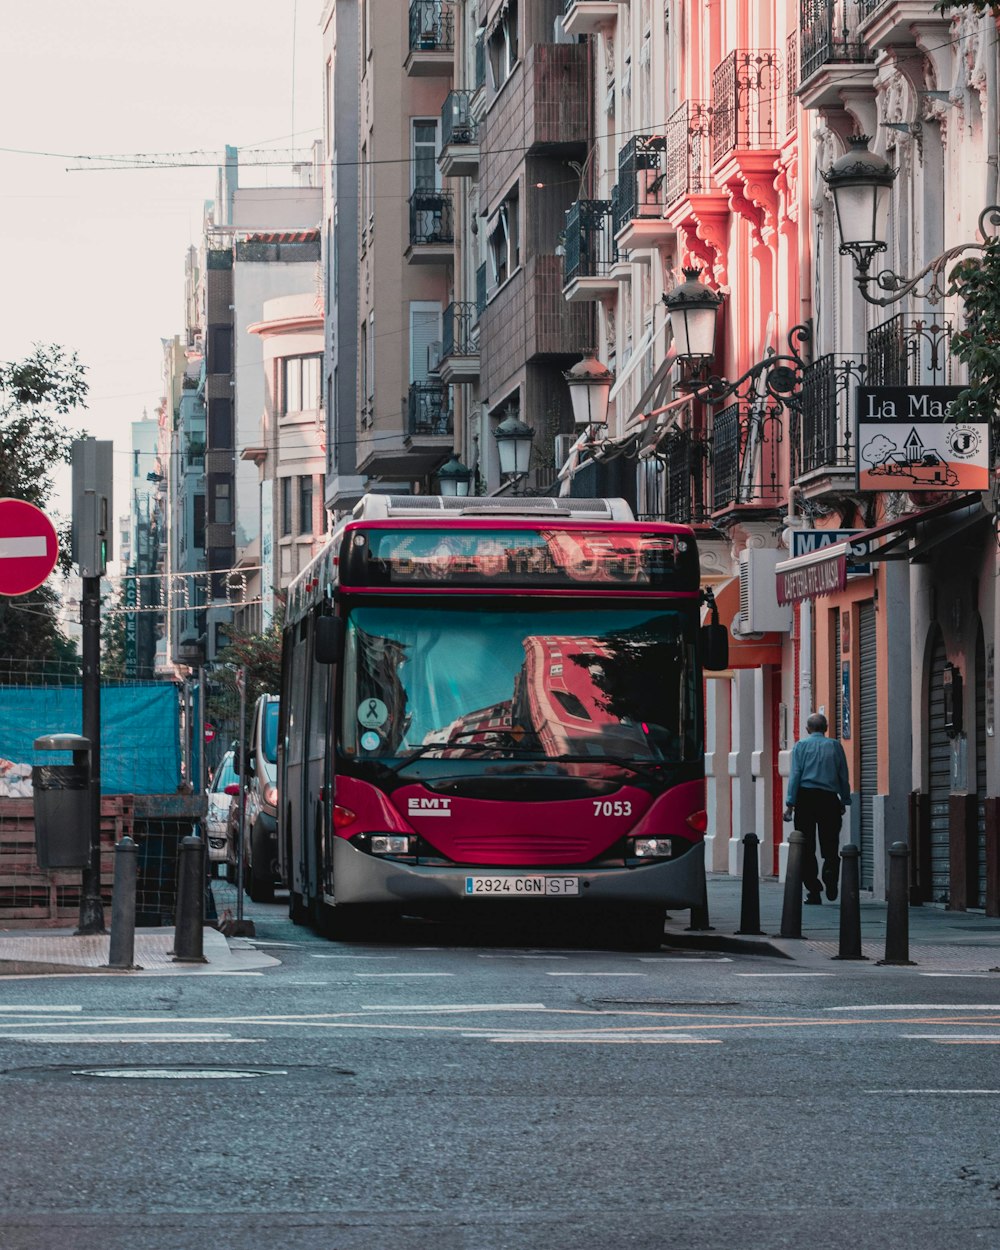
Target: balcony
{"x": 888, "y": 23}
{"x": 590, "y": 251}
{"x": 639, "y": 197}
{"x": 821, "y": 430}
{"x": 746, "y": 458}
{"x": 432, "y": 229}
{"x": 428, "y": 412}
{"x": 459, "y": 343}
{"x": 688, "y": 168}
{"x": 432, "y": 39}
{"x": 459, "y": 155}
{"x": 907, "y": 351}
{"x": 830, "y": 51}
{"x": 687, "y": 461}
{"x": 746, "y": 88}
{"x": 588, "y": 17}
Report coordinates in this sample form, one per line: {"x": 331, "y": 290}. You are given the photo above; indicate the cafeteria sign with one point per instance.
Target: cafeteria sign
{"x": 906, "y": 441}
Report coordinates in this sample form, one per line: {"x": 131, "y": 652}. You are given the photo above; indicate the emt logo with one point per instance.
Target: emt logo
{"x": 429, "y": 807}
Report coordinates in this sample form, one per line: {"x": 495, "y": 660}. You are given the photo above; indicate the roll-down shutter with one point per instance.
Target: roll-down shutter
{"x": 868, "y": 693}
{"x": 939, "y": 775}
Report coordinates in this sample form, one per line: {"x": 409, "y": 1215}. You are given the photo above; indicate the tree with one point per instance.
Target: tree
{"x": 976, "y": 280}
{"x": 34, "y": 392}
{"x": 259, "y": 655}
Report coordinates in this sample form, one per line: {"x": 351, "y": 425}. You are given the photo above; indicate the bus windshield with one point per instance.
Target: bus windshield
{"x": 613, "y": 681}
{"x": 270, "y": 735}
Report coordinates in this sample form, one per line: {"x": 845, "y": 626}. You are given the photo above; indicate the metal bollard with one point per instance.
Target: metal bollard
{"x": 791, "y": 910}
{"x": 699, "y": 914}
{"x": 897, "y": 920}
{"x": 189, "y": 922}
{"x": 850, "y": 904}
{"x": 750, "y": 898}
{"x": 121, "y": 950}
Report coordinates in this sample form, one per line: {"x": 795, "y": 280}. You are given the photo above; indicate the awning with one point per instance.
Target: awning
{"x": 751, "y": 651}
{"x": 824, "y": 572}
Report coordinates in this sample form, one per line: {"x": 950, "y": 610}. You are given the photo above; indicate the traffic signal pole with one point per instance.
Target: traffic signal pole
{"x": 92, "y": 494}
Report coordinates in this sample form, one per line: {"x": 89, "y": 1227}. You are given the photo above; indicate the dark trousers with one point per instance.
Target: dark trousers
{"x": 818, "y": 811}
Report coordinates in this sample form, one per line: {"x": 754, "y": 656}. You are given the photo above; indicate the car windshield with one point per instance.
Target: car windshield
{"x": 224, "y": 774}
{"x": 609, "y": 682}
{"x": 269, "y": 744}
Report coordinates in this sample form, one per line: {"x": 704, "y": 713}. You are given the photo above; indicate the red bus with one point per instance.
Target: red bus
{"x": 489, "y": 700}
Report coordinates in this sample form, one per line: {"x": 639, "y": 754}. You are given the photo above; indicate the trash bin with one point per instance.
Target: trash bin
{"x": 62, "y": 804}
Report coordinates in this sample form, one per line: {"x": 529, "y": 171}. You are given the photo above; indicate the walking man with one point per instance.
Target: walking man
{"x": 819, "y": 792}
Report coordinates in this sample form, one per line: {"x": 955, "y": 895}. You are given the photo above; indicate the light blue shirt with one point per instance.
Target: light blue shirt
{"x": 819, "y": 763}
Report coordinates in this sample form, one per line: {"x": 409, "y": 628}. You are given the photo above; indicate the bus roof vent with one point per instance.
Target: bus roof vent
{"x": 384, "y": 507}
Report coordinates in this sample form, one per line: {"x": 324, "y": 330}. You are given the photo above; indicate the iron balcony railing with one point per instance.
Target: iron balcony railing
{"x": 868, "y": 7}
{"x": 745, "y": 90}
{"x": 431, "y": 217}
{"x": 906, "y": 351}
{"x": 687, "y": 465}
{"x": 820, "y": 428}
{"x": 588, "y": 241}
{"x": 457, "y": 123}
{"x": 746, "y": 456}
{"x": 432, "y": 26}
{"x": 792, "y": 79}
{"x": 688, "y": 167}
{"x": 829, "y": 35}
{"x": 460, "y": 329}
{"x": 428, "y": 409}
{"x": 640, "y": 180}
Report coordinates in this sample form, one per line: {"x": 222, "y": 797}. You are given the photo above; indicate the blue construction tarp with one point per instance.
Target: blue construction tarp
{"x": 140, "y": 732}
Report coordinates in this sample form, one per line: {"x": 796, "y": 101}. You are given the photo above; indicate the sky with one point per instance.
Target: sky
{"x": 93, "y": 257}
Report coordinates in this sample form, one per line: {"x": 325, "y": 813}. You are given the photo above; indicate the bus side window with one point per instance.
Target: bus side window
{"x": 297, "y": 699}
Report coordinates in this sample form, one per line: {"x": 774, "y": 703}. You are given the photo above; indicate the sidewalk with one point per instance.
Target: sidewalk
{"x": 48, "y": 952}
{"x": 939, "y": 940}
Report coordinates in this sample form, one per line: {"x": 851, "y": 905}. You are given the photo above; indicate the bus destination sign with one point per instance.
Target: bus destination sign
{"x": 541, "y": 558}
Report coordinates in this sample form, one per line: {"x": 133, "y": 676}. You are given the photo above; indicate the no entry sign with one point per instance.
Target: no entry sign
{"x": 28, "y": 547}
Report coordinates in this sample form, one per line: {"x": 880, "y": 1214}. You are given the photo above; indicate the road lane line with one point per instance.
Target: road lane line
{"x": 456, "y": 1008}
{"x": 57, "y": 1039}
{"x": 397, "y": 975}
{"x": 596, "y": 974}
{"x": 784, "y": 974}
{"x": 920, "y": 1007}
{"x": 32, "y": 1010}
{"x": 949, "y": 1092}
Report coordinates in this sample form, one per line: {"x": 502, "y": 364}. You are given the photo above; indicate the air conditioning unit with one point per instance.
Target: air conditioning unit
{"x": 760, "y": 611}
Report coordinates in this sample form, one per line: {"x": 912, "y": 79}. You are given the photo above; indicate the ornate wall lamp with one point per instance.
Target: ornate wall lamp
{"x": 860, "y": 182}
{"x": 454, "y": 478}
{"x": 513, "y": 447}
{"x": 693, "y": 311}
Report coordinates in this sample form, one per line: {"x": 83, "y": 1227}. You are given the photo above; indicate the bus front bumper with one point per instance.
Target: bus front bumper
{"x": 363, "y": 878}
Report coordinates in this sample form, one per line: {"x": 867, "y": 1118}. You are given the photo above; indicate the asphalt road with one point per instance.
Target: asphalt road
{"x": 444, "y": 1089}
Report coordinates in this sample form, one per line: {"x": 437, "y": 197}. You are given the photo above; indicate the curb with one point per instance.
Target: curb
{"x": 719, "y": 942}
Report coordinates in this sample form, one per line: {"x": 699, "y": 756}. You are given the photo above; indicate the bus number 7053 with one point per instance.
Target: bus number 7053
{"x": 605, "y": 807}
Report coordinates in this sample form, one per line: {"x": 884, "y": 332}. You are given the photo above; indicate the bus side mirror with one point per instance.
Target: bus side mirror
{"x": 714, "y": 647}
{"x": 329, "y": 639}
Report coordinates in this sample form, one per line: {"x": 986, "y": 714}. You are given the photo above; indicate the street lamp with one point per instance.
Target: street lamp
{"x": 860, "y": 182}
{"x": 454, "y": 478}
{"x": 589, "y": 385}
{"x": 693, "y": 311}
{"x": 513, "y": 446}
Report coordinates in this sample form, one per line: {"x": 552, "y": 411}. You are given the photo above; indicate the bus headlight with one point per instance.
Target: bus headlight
{"x": 652, "y": 848}
{"x": 271, "y": 795}
{"x": 389, "y": 844}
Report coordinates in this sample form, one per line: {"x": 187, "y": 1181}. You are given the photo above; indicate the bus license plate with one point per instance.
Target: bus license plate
{"x": 522, "y": 887}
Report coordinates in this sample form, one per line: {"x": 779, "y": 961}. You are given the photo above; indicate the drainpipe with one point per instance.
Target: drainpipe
{"x": 993, "y": 141}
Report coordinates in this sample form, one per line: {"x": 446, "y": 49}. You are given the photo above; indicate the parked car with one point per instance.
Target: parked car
{"x": 220, "y": 849}
{"x": 260, "y": 824}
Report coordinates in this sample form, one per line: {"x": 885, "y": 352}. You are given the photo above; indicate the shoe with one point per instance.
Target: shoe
{"x": 830, "y": 881}
{"x": 813, "y": 899}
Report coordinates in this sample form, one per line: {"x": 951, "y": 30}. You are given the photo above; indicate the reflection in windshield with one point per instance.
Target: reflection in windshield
{"x": 270, "y": 736}
{"x": 453, "y": 683}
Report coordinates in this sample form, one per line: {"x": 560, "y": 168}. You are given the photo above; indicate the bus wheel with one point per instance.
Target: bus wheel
{"x": 643, "y": 928}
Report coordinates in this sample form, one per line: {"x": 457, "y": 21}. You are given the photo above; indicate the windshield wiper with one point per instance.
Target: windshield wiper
{"x": 477, "y": 748}
{"x": 652, "y": 769}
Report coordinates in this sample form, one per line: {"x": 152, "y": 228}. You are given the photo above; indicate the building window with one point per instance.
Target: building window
{"x": 503, "y": 239}
{"x": 302, "y": 389}
{"x": 365, "y": 201}
{"x": 199, "y": 522}
{"x": 220, "y": 349}
{"x": 220, "y": 424}
{"x": 423, "y": 152}
{"x": 286, "y": 507}
{"x": 501, "y": 46}
{"x": 222, "y": 503}
{"x": 306, "y": 504}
